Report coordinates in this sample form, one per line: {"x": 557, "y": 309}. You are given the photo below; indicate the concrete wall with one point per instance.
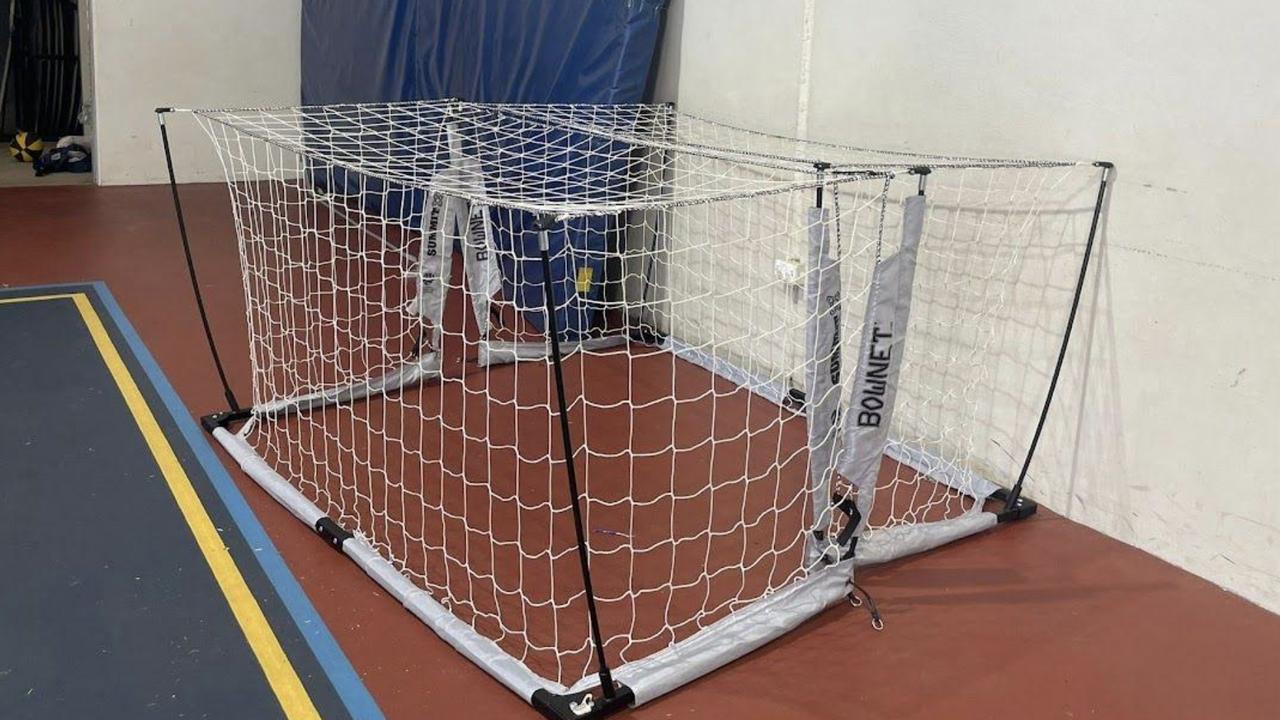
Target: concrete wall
{"x": 181, "y": 53}
{"x": 1166, "y": 432}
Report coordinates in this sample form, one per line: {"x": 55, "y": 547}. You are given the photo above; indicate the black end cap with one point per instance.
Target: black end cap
{"x": 821, "y": 165}
{"x": 921, "y": 170}
{"x": 163, "y": 110}
{"x": 561, "y": 707}
{"x": 1106, "y": 164}
{"x": 332, "y": 532}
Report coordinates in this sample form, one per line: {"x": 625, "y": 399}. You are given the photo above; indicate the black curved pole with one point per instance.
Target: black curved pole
{"x": 1016, "y": 492}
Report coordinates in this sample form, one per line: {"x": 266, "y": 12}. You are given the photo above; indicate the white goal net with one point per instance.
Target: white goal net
{"x": 780, "y": 360}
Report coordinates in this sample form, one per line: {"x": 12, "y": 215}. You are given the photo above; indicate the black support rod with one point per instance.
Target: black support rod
{"x": 1016, "y": 492}
{"x": 191, "y": 267}
{"x": 553, "y": 334}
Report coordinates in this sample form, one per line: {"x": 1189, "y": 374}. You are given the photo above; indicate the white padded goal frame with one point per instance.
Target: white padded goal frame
{"x": 774, "y": 613}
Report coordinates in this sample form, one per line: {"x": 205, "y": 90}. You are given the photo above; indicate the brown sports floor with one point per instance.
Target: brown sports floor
{"x": 1042, "y": 619}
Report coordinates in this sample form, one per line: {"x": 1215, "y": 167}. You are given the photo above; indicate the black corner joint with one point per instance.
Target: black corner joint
{"x": 921, "y": 171}
{"x": 544, "y": 221}
{"x": 332, "y": 532}
{"x": 163, "y": 110}
{"x": 1021, "y": 508}
{"x": 820, "y": 167}
{"x": 587, "y": 705}
{"x": 796, "y": 396}
{"x": 214, "y": 421}
{"x": 1105, "y": 164}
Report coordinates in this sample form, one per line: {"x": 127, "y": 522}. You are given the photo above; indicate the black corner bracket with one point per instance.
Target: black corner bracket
{"x": 587, "y": 705}
{"x": 333, "y": 533}
{"x": 1021, "y": 508}
{"x": 214, "y": 421}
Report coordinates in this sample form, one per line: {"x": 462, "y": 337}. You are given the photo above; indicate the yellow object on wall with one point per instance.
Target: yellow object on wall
{"x": 585, "y": 273}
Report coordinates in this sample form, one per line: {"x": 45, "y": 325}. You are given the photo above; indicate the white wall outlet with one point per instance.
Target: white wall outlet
{"x": 788, "y": 270}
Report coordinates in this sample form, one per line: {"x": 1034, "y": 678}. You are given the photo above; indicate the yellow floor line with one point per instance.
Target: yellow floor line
{"x": 280, "y": 673}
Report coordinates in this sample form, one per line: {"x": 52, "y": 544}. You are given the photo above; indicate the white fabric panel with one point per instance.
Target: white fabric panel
{"x": 484, "y": 279}
{"x": 822, "y": 360}
{"x": 435, "y": 263}
{"x": 469, "y": 223}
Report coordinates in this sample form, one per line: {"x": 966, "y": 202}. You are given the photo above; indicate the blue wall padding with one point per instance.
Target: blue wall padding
{"x": 586, "y": 51}
{"x": 358, "y": 51}
{"x": 567, "y": 51}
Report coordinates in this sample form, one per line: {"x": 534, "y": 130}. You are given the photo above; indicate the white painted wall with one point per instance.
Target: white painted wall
{"x": 182, "y": 53}
{"x": 1166, "y": 432}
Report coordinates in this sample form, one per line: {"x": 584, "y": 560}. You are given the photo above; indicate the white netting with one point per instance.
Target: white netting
{"x": 395, "y": 303}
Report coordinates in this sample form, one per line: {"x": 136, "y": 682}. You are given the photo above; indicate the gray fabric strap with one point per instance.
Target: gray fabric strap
{"x": 472, "y": 226}
{"x": 484, "y": 279}
{"x": 434, "y": 265}
{"x": 448, "y": 220}
{"x": 875, "y": 385}
{"x": 822, "y": 369}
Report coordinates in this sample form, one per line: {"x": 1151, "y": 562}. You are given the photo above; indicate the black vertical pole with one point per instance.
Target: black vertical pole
{"x": 1016, "y": 492}
{"x": 553, "y": 333}
{"x": 923, "y": 171}
{"x": 191, "y": 268}
{"x": 819, "y": 168}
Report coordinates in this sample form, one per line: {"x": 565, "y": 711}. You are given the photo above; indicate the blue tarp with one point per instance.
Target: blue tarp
{"x": 586, "y": 51}
{"x": 569, "y": 51}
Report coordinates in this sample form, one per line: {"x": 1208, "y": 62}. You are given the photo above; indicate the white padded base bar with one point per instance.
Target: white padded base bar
{"x": 710, "y": 648}
{"x": 480, "y": 650}
{"x": 426, "y": 367}
{"x": 731, "y": 637}
{"x": 493, "y": 352}
{"x": 883, "y": 545}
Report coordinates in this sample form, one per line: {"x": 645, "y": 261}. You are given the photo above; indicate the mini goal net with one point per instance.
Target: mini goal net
{"x": 608, "y": 396}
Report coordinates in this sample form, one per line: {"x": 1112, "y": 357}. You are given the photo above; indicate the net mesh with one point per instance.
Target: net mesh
{"x": 395, "y": 304}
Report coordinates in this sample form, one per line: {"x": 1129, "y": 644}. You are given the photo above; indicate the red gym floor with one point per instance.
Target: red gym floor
{"x": 1043, "y": 619}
